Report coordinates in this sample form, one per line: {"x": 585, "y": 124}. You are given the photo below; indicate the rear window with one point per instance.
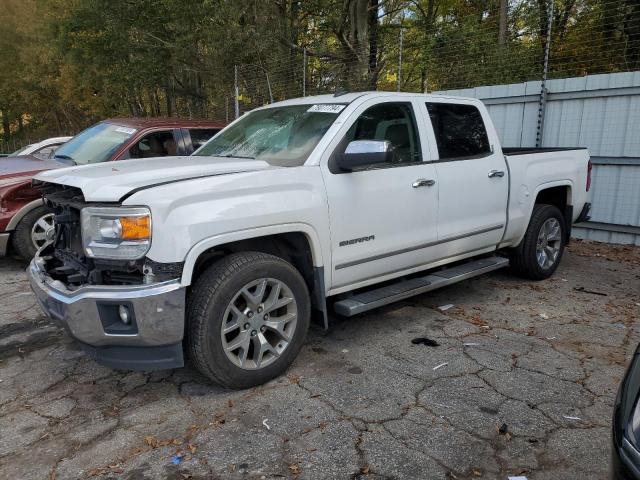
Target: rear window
{"x": 200, "y": 136}
{"x": 459, "y": 130}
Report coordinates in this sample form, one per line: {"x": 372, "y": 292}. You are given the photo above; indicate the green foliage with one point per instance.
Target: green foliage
{"x": 65, "y": 64}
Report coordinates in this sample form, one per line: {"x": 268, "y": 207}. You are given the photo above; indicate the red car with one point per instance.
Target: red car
{"x": 26, "y": 224}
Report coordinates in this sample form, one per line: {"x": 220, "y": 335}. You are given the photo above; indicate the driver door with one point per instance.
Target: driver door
{"x": 382, "y": 219}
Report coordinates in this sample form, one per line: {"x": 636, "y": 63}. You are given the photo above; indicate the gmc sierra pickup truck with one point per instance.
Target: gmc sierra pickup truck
{"x": 349, "y": 201}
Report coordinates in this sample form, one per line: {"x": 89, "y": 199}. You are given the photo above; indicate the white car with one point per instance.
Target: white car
{"x": 44, "y": 149}
{"x": 353, "y": 201}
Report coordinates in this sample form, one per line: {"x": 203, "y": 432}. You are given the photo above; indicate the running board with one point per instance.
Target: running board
{"x": 378, "y": 297}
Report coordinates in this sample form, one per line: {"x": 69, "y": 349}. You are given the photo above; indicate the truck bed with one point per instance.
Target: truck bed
{"x": 511, "y": 151}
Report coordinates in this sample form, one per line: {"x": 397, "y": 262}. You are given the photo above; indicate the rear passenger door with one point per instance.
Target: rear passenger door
{"x": 473, "y": 177}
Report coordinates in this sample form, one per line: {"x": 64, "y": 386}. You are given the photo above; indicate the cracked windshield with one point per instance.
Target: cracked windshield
{"x": 282, "y": 136}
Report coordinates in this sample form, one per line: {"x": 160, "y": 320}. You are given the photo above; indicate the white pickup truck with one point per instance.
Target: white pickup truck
{"x": 349, "y": 200}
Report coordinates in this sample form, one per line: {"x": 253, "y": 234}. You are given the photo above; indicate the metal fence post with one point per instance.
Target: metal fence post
{"x": 400, "y": 59}
{"x": 304, "y": 72}
{"x": 236, "y": 91}
{"x": 542, "y": 102}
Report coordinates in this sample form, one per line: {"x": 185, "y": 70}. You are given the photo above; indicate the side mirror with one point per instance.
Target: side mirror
{"x": 364, "y": 153}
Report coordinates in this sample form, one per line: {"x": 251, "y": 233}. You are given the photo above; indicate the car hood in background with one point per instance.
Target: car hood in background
{"x": 110, "y": 181}
{"x": 19, "y": 166}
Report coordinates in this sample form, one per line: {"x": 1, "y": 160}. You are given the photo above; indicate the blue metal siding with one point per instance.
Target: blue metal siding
{"x": 600, "y": 112}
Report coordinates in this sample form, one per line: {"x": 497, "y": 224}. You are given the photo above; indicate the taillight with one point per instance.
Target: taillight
{"x": 589, "y": 168}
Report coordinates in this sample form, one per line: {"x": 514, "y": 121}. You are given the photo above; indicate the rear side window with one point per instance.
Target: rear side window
{"x": 200, "y": 136}
{"x": 459, "y": 130}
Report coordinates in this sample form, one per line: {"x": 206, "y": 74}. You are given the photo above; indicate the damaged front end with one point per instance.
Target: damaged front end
{"x": 127, "y": 312}
{"x": 66, "y": 259}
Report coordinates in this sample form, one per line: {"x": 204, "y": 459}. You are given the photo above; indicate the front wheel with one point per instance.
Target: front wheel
{"x": 540, "y": 251}
{"x": 34, "y": 230}
{"x": 247, "y": 318}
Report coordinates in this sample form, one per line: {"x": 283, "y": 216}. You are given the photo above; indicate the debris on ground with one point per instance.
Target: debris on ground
{"x": 444, "y": 308}
{"x": 177, "y": 459}
{"x": 440, "y": 366}
{"x": 543, "y": 315}
{"x": 427, "y": 342}
{"x": 502, "y": 429}
{"x": 519, "y": 477}
{"x": 592, "y": 292}
{"x": 470, "y": 344}
{"x": 568, "y": 417}
{"x": 264, "y": 422}
{"x": 294, "y": 469}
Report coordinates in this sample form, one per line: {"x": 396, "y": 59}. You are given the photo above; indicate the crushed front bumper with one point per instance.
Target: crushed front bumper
{"x": 152, "y": 338}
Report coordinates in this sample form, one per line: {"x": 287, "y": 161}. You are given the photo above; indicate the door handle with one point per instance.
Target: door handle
{"x": 423, "y": 182}
{"x": 496, "y": 173}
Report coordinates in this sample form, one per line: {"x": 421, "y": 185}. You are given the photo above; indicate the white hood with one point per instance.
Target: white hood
{"x": 110, "y": 181}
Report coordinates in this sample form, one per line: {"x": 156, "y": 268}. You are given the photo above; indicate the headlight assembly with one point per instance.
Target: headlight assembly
{"x": 116, "y": 232}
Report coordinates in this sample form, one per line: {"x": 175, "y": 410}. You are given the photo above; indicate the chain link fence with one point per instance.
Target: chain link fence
{"x": 570, "y": 39}
{"x": 429, "y": 46}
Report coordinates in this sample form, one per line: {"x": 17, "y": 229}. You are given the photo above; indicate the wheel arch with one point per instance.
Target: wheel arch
{"x": 560, "y": 195}
{"x": 20, "y": 214}
{"x": 297, "y": 244}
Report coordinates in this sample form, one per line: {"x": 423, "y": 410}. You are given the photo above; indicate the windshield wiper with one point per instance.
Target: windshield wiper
{"x": 235, "y": 156}
{"x": 65, "y": 158}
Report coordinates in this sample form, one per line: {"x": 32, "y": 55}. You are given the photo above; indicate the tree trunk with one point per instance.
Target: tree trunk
{"x": 502, "y": 25}
{"x": 6, "y": 125}
{"x": 373, "y": 43}
{"x": 167, "y": 97}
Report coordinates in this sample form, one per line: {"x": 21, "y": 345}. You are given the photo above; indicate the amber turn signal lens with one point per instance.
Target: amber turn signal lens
{"x": 136, "y": 228}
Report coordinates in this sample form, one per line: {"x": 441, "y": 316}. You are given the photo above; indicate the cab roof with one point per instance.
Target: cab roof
{"x": 348, "y": 97}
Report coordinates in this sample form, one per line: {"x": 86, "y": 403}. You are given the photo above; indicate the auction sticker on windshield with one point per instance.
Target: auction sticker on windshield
{"x": 326, "y": 108}
{"x": 128, "y": 131}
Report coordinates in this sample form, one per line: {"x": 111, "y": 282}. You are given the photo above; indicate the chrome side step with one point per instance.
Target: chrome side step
{"x": 378, "y": 297}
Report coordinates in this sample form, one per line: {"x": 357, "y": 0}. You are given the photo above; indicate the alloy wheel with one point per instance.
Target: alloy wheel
{"x": 42, "y": 231}
{"x": 549, "y": 243}
{"x": 259, "y": 323}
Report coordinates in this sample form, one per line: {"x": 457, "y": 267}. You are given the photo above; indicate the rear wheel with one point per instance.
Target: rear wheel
{"x": 247, "y": 318}
{"x": 33, "y": 231}
{"x": 540, "y": 251}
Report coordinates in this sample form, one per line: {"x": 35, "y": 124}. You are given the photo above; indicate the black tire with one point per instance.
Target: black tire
{"x": 211, "y": 295}
{"x": 523, "y": 259}
{"x": 21, "y": 238}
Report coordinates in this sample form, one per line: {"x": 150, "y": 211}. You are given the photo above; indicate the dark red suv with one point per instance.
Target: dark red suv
{"x": 26, "y": 224}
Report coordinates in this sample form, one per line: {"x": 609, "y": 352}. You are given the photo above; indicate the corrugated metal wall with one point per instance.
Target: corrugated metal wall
{"x": 600, "y": 112}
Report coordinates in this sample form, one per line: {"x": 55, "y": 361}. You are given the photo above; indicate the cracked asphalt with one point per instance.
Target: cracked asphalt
{"x": 361, "y": 401}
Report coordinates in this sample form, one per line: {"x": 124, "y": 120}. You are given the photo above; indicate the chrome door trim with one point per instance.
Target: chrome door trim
{"x": 417, "y": 247}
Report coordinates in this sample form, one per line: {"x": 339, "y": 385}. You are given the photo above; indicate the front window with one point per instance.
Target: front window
{"x": 282, "y": 136}
{"x": 94, "y": 145}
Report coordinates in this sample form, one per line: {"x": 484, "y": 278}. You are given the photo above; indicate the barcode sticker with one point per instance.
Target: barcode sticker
{"x": 128, "y": 131}
{"x": 326, "y": 108}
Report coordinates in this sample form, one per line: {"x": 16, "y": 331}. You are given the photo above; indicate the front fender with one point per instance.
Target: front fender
{"x": 211, "y": 242}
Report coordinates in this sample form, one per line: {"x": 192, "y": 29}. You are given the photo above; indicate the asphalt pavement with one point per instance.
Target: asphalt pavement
{"x": 522, "y": 382}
